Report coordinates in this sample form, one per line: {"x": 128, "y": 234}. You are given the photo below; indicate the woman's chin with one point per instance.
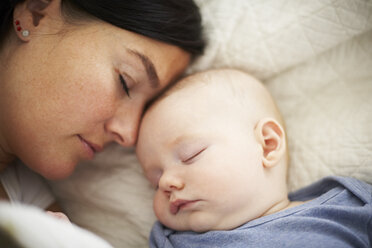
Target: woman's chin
{"x": 58, "y": 172}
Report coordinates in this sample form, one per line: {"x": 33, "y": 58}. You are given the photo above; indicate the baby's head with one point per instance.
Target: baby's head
{"x": 214, "y": 147}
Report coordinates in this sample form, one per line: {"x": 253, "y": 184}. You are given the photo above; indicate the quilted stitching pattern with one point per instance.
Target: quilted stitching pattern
{"x": 269, "y": 37}
{"x": 327, "y": 106}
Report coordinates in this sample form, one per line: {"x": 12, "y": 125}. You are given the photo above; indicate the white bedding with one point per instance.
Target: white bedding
{"x": 29, "y": 227}
{"x": 316, "y": 59}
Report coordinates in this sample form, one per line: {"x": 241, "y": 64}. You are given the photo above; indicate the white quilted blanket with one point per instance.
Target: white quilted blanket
{"x": 268, "y": 37}
{"x": 316, "y": 59}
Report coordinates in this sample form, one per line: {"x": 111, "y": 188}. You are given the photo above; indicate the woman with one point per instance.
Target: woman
{"x": 75, "y": 75}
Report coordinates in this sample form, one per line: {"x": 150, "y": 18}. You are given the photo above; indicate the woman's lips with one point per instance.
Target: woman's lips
{"x": 96, "y": 148}
{"x": 90, "y": 148}
{"x": 180, "y": 204}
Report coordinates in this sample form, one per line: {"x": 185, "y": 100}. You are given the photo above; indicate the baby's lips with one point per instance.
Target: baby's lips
{"x": 173, "y": 209}
{"x": 175, "y": 205}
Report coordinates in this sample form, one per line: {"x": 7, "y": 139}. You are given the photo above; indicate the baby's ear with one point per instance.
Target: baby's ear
{"x": 271, "y": 136}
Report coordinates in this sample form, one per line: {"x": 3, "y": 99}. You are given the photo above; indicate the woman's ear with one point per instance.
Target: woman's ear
{"x": 28, "y": 15}
{"x": 271, "y": 136}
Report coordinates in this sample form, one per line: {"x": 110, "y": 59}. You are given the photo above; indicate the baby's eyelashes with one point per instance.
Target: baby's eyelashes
{"x": 190, "y": 157}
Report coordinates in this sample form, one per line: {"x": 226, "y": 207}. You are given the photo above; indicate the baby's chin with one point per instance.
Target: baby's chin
{"x": 199, "y": 226}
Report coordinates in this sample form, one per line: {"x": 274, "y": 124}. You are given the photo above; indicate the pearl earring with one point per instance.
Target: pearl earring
{"x": 25, "y": 33}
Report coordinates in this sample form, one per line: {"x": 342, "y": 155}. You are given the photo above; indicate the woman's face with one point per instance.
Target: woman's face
{"x": 64, "y": 96}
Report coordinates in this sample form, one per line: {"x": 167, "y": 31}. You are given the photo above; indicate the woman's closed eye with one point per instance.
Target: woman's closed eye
{"x": 191, "y": 158}
{"x": 125, "y": 85}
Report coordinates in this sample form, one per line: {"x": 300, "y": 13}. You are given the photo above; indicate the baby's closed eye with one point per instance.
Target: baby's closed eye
{"x": 188, "y": 156}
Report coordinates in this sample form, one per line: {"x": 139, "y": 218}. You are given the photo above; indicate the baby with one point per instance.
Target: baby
{"x": 214, "y": 147}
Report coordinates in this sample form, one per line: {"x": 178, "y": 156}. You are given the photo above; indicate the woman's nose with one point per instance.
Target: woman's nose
{"x": 123, "y": 126}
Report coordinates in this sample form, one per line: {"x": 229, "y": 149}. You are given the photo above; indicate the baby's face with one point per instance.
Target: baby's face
{"x": 203, "y": 160}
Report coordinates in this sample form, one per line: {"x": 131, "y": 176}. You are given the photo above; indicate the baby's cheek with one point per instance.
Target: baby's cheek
{"x": 162, "y": 210}
{"x": 159, "y": 206}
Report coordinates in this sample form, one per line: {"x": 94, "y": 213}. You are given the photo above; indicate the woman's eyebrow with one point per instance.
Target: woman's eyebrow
{"x": 149, "y": 67}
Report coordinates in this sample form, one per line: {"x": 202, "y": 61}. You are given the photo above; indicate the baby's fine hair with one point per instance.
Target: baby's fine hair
{"x": 239, "y": 87}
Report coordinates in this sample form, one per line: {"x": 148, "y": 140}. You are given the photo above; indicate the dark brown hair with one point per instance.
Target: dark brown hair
{"x": 176, "y": 22}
